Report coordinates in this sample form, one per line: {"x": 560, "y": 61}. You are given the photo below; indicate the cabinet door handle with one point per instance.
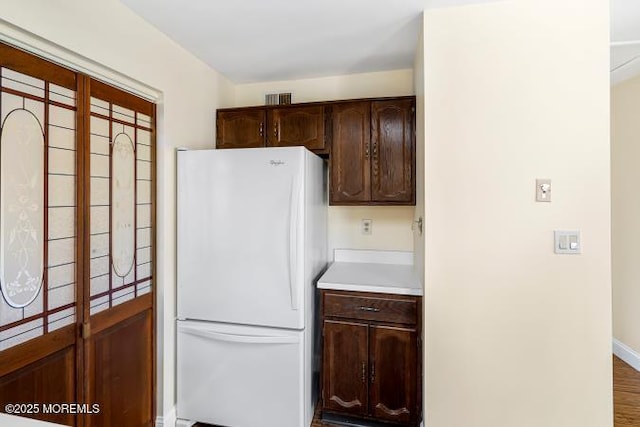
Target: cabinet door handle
{"x": 261, "y": 129}
{"x": 375, "y": 157}
{"x": 373, "y": 371}
{"x": 366, "y": 151}
{"x": 373, "y": 309}
{"x": 275, "y": 130}
{"x": 364, "y": 372}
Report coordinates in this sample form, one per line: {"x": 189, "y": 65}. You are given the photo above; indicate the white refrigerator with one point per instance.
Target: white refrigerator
{"x": 252, "y": 240}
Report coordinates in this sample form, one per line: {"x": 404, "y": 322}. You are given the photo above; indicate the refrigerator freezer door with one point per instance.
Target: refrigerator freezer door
{"x": 240, "y": 376}
{"x": 240, "y": 231}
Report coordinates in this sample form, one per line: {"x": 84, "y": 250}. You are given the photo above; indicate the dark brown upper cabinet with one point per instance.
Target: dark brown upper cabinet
{"x": 296, "y": 126}
{"x": 392, "y": 151}
{"x": 370, "y": 143}
{"x": 373, "y": 153}
{"x": 241, "y": 128}
{"x": 284, "y": 126}
{"x": 350, "y": 165}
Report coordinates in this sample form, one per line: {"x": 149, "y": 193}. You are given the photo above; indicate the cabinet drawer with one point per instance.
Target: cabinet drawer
{"x": 384, "y": 308}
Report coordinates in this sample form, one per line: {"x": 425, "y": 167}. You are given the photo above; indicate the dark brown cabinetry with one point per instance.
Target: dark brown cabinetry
{"x": 296, "y": 126}
{"x": 373, "y": 153}
{"x": 392, "y": 151}
{"x": 240, "y": 128}
{"x": 274, "y": 127}
{"x": 370, "y": 143}
{"x": 371, "y": 356}
{"x": 350, "y": 155}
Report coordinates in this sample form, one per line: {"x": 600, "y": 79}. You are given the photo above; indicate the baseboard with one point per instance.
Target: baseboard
{"x": 168, "y": 419}
{"x": 626, "y": 353}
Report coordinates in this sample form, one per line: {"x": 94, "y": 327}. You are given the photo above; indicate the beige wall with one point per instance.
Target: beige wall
{"x": 107, "y": 33}
{"x": 625, "y": 211}
{"x": 418, "y": 83}
{"x": 391, "y": 225}
{"x": 348, "y": 86}
{"x": 515, "y": 335}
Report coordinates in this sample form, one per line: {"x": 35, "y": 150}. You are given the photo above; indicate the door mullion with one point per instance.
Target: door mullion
{"x": 82, "y": 241}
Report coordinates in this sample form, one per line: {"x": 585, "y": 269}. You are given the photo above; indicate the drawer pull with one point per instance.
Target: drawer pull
{"x": 373, "y": 309}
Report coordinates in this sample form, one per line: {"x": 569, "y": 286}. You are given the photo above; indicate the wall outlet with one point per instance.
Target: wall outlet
{"x": 367, "y": 226}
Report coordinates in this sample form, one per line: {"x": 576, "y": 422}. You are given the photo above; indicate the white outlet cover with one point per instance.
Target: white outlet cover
{"x": 367, "y": 226}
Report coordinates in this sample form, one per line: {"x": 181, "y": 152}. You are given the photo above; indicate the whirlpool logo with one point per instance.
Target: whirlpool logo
{"x": 276, "y": 162}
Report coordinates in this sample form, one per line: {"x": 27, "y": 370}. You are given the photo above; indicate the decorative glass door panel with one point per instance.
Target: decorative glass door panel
{"x": 121, "y": 204}
{"x": 37, "y": 207}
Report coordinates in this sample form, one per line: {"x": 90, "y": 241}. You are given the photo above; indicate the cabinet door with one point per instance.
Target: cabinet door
{"x": 393, "y": 375}
{"x": 345, "y": 367}
{"x": 240, "y": 128}
{"x": 392, "y": 152}
{"x": 297, "y": 126}
{"x": 350, "y": 153}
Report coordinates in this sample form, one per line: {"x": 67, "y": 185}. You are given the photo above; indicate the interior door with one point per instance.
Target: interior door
{"x": 40, "y": 230}
{"x": 119, "y": 335}
{"x": 76, "y": 245}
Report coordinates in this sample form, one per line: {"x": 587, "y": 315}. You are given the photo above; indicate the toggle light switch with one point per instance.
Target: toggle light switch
{"x": 567, "y": 242}
{"x": 543, "y": 190}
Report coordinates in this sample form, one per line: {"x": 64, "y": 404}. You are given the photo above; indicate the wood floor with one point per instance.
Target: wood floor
{"x": 626, "y": 397}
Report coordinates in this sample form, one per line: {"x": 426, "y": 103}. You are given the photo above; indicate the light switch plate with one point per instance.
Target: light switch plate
{"x": 567, "y": 242}
{"x": 543, "y": 190}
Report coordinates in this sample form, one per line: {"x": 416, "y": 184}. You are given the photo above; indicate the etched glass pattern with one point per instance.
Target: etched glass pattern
{"x": 21, "y": 210}
{"x": 37, "y": 240}
{"x": 123, "y": 204}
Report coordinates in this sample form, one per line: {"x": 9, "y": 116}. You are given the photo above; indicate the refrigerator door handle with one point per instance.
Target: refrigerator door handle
{"x": 293, "y": 243}
{"x": 243, "y": 339}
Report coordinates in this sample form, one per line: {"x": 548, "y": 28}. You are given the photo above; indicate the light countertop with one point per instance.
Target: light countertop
{"x": 388, "y": 272}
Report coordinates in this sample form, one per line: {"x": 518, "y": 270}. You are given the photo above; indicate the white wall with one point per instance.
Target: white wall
{"x": 625, "y": 211}
{"x": 106, "y": 32}
{"x": 515, "y": 335}
{"x": 391, "y": 224}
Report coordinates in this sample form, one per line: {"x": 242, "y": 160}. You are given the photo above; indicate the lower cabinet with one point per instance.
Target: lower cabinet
{"x": 371, "y": 368}
{"x": 346, "y": 367}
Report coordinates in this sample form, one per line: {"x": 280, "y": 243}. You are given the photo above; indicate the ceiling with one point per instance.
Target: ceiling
{"x": 258, "y": 40}
{"x": 625, "y": 39}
